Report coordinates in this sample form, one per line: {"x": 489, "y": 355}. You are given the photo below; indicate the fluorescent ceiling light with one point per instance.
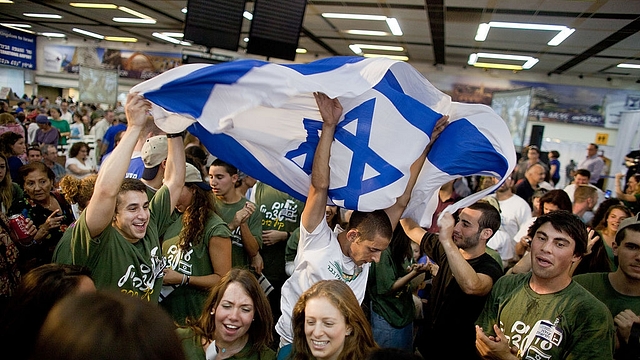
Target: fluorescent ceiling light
{"x": 6, "y": 2}
{"x": 44, "y": 16}
{"x": 16, "y": 25}
{"x": 529, "y": 61}
{"x": 301, "y": 51}
{"x": 379, "y": 47}
{"x": 19, "y": 27}
{"x": 94, "y": 5}
{"x": 133, "y": 12}
{"x": 120, "y": 38}
{"x": 53, "y": 34}
{"x": 166, "y": 36}
{"x": 367, "y": 32}
{"x": 172, "y": 34}
{"x": 629, "y": 66}
{"x": 483, "y": 31}
{"x": 247, "y": 15}
{"x": 498, "y": 66}
{"x": 88, "y": 33}
{"x": 394, "y": 26}
{"x": 356, "y": 49}
{"x": 134, "y": 20}
{"x": 354, "y": 16}
{"x": 563, "y": 31}
{"x": 393, "y": 57}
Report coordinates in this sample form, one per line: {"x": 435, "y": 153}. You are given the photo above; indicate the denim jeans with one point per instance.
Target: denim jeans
{"x": 388, "y": 336}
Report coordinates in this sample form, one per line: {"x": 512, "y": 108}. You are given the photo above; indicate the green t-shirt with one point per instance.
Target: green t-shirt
{"x": 63, "y": 127}
{"x": 397, "y": 307}
{"x": 62, "y": 253}
{"x": 239, "y": 258}
{"x": 569, "y": 324}
{"x": 280, "y": 212}
{"x": 187, "y": 301}
{"x": 116, "y": 263}
{"x": 292, "y": 246}
{"x": 193, "y": 350}
{"x": 599, "y": 285}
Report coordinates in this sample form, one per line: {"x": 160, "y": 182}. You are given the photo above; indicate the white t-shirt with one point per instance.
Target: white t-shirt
{"x": 88, "y": 165}
{"x": 524, "y": 229}
{"x": 514, "y": 212}
{"x": 319, "y": 257}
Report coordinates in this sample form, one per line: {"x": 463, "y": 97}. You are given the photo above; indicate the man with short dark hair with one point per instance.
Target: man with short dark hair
{"x": 593, "y": 163}
{"x": 323, "y": 255}
{"x": 49, "y": 158}
{"x": 543, "y": 314}
{"x": 620, "y": 290}
{"x": 582, "y": 177}
{"x": 34, "y": 154}
{"x": 465, "y": 276}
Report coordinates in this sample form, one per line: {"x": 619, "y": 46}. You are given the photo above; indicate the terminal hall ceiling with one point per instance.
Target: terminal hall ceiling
{"x": 603, "y": 33}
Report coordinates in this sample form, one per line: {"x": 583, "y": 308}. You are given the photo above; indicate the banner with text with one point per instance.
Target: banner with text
{"x": 17, "y": 49}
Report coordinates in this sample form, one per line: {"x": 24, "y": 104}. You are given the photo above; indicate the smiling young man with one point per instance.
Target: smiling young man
{"x": 323, "y": 255}
{"x": 117, "y": 236}
{"x": 543, "y": 314}
{"x": 620, "y": 290}
{"x": 464, "y": 279}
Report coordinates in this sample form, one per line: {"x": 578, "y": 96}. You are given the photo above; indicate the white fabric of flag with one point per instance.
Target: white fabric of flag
{"x": 262, "y": 118}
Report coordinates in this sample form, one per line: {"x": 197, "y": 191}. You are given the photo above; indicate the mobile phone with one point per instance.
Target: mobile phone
{"x": 607, "y": 194}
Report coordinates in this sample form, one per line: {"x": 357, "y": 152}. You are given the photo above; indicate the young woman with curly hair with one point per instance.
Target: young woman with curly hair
{"x": 198, "y": 248}
{"x": 328, "y": 323}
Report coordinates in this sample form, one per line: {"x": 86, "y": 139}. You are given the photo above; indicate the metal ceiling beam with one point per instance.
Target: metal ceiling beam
{"x": 435, "y": 13}
{"x": 611, "y": 40}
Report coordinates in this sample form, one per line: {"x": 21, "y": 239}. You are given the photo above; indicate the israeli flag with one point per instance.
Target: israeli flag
{"x": 262, "y": 118}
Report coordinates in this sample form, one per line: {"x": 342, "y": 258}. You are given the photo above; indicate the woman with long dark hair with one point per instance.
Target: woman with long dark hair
{"x": 198, "y": 248}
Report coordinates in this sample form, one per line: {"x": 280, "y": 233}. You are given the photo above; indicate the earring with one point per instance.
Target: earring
{"x": 212, "y": 312}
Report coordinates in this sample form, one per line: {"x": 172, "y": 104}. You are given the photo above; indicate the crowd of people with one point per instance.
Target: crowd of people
{"x": 177, "y": 255}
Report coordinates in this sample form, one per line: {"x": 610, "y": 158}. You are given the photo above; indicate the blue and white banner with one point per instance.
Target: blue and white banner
{"x": 17, "y": 49}
{"x": 262, "y": 118}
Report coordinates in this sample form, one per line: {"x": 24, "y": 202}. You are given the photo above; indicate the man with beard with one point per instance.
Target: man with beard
{"x": 544, "y": 314}
{"x": 620, "y": 290}
{"x": 465, "y": 278}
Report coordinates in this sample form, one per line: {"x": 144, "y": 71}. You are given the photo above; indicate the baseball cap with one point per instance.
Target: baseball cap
{"x": 154, "y": 152}
{"x": 193, "y": 176}
{"x": 628, "y": 222}
{"x": 42, "y": 119}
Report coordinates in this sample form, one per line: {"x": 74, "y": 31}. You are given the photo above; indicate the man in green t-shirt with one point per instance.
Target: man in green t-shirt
{"x": 240, "y": 215}
{"x": 620, "y": 290}
{"x": 543, "y": 314}
{"x": 118, "y": 234}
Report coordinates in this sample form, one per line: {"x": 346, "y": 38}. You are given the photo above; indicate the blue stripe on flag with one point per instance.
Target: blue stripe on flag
{"x": 231, "y": 151}
{"x": 463, "y": 150}
{"x": 323, "y": 65}
{"x": 415, "y": 112}
{"x": 199, "y": 84}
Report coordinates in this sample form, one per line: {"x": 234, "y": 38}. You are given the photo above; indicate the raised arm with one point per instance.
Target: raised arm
{"x": 395, "y": 211}
{"x": 468, "y": 279}
{"x": 100, "y": 210}
{"x": 314, "y": 210}
{"x": 413, "y": 230}
{"x": 176, "y": 167}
